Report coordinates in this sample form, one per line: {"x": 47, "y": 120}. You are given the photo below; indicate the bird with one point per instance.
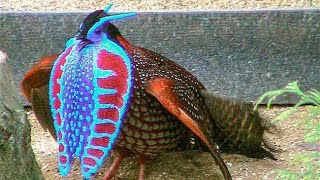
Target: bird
{"x": 104, "y": 94}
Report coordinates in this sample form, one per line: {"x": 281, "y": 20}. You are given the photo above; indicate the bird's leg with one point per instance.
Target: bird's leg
{"x": 114, "y": 167}
{"x": 142, "y": 167}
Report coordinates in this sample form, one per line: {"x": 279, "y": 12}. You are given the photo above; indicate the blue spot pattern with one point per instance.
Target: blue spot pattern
{"x": 79, "y": 97}
{"x": 80, "y": 104}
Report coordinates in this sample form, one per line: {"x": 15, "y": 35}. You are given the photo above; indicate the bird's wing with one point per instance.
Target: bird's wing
{"x": 163, "y": 89}
{"x": 34, "y": 87}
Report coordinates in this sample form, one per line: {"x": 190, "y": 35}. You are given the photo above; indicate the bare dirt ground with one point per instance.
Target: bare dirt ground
{"x": 191, "y": 164}
{"x": 187, "y": 164}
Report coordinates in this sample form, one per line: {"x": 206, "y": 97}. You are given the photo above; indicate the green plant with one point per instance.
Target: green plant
{"x": 310, "y": 161}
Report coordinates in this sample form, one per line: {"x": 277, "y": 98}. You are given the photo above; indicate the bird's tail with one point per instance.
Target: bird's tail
{"x": 237, "y": 123}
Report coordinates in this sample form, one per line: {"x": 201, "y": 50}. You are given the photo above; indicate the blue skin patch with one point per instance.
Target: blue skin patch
{"x": 79, "y": 93}
{"x": 114, "y": 49}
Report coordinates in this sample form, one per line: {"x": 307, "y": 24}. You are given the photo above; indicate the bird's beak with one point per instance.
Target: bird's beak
{"x": 83, "y": 41}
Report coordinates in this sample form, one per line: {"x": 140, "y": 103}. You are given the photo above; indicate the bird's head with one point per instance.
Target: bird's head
{"x": 96, "y": 27}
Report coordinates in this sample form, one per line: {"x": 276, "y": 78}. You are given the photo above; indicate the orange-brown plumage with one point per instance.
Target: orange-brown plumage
{"x": 38, "y": 76}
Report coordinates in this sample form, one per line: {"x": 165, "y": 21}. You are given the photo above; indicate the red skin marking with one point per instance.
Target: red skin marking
{"x": 63, "y": 159}
{"x": 109, "y": 61}
{"x": 89, "y": 161}
{"x": 56, "y": 90}
{"x": 58, "y": 119}
{"x": 110, "y": 99}
{"x": 105, "y": 128}
{"x": 110, "y": 113}
{"x": 61, "y": 148}
{"x": 57, "y": 104}
{"x": 59, "y": 135}
{"x": 95, "y": 152}
{"x": 113, "y": 62}
{"x": 113, "y": 82}
{"x": 100, "y": 141}
{"x": 56, "y": 86}
{"x": 58, "y": 73}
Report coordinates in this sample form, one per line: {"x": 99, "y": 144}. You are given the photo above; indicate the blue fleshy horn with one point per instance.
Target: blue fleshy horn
{"x": 109, "y": 18}
{"x": 108, "y": 8}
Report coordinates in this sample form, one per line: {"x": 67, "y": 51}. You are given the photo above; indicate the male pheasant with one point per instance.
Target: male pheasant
{"x": 102, "y": 94}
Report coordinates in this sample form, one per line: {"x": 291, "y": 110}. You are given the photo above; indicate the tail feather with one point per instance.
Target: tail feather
{"x": 235, "y": 122}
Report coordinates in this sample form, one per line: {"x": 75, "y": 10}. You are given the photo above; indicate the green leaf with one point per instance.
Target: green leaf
{"x": 309, "y": 161}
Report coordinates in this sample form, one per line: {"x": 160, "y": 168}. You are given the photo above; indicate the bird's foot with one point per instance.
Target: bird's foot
{"x": 142, "y": 167}
{"x": 114, "y": 167}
